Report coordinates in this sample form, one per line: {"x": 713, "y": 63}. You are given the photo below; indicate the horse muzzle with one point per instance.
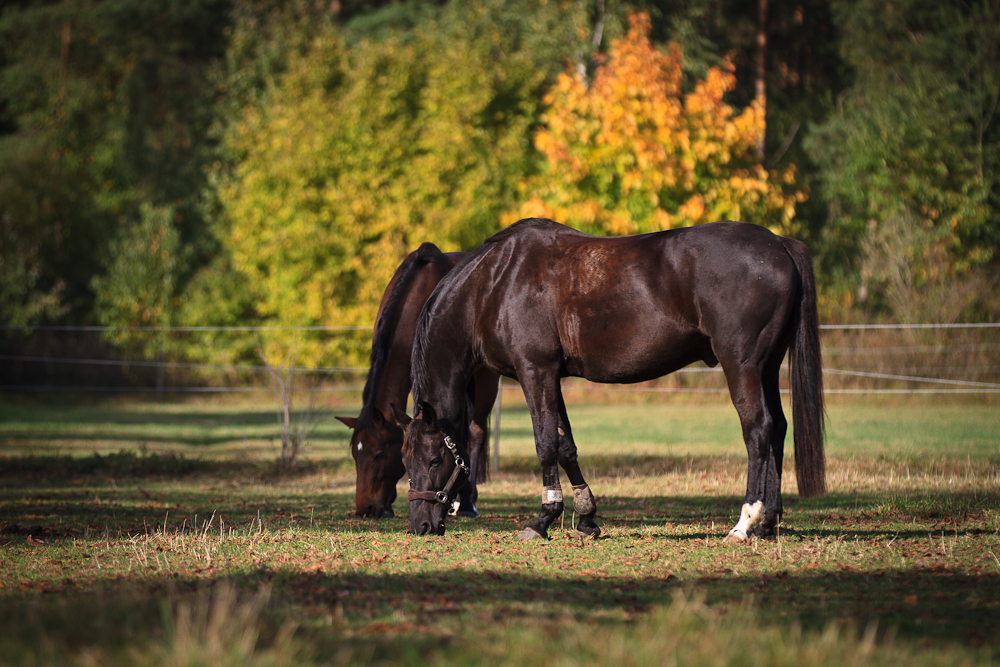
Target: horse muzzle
{"x": 376, "y": 511}
{"x": 427, "y": 517}
{"x": 428, "y": 528}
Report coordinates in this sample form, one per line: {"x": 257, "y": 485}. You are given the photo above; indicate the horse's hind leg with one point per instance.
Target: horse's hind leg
{"x": 758, "y": 402}
{"x": 484, "y": 395}
{"x": 468, "y": 495}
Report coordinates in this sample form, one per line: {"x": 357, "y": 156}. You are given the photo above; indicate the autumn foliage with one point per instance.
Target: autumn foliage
{"x": 632, "y": 152}
{"x": 357, "y": 158}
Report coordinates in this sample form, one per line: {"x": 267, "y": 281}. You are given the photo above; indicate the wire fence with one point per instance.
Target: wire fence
{"x": 858, "y": 359}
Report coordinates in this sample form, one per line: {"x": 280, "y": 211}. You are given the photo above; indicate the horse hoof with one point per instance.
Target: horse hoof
{"x": 529, "y": 534}
{"x": 588, "y": 536}
{"x": 734, "y": 538}
{"x": 583, "y": 500}
{"x": 468, "y": 514}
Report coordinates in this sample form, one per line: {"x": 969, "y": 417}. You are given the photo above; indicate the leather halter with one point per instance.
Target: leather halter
{"x": 443, "y": 496}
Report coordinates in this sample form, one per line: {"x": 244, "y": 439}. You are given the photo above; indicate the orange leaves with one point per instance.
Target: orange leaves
{"x": 633, "y": 153}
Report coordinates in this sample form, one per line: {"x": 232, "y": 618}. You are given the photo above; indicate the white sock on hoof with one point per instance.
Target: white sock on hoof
{"x": 750, "y": 516}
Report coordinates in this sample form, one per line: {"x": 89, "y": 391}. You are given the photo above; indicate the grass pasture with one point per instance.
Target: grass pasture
{"x": 152, "y": 533}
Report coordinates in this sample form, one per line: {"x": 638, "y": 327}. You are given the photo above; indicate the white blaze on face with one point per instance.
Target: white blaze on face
{"x": 359, "y": 446}
{"x": 750, "y": 516}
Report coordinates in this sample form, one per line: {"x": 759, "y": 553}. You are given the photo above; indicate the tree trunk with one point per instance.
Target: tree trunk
{"x": 761, "y": 96}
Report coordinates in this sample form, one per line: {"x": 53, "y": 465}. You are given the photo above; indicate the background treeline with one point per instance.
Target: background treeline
{"x": 255, "y": 162}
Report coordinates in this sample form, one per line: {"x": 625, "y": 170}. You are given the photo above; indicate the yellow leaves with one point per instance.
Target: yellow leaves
{"x": 361, "y": 154}
{"x": 647, "y": 155}
{"x": 620, "y": 224}
{"x": 693, "y": 208}
{"x": 534, "y": 208}
{"x": 662, "y": 220}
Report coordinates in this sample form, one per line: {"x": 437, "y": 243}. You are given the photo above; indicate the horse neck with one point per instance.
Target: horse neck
{"x": 445, "y": 346}
{"x": 392, "y": 387}
{"x": 441, "y": 374}
{"x": 388, "y": 379}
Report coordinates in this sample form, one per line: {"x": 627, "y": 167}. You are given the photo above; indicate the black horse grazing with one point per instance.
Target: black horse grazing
{"x": 540, "y": 301}
{"x": 376, "y": 441}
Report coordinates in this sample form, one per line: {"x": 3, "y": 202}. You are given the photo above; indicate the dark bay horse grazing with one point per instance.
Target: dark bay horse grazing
{"x": 376, "y": 440}
{"x": 539, "y": 301}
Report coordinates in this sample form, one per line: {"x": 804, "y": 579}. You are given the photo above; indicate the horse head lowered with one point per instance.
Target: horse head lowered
{"x": 376, "y": 445}
{"x": 377, "y": 440}
{"x": 437, "y": 467}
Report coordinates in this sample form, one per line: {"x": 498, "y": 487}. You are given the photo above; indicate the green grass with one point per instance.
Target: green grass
{"x": 158, "y": 533}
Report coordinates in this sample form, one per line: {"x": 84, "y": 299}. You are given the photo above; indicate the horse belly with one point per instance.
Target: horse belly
{"x": 622, "y": 353}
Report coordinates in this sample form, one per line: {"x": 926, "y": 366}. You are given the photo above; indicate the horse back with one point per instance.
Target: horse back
{"x": 628, "y": 309}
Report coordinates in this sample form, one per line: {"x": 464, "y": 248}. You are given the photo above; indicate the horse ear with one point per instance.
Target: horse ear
{"x": 400, "y": 416}
{"x": 428, "y": 415}
{"x": 349, "y": 422}
{"x": 378, "y": 419}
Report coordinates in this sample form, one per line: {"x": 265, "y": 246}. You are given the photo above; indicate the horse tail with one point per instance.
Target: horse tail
{"x": 808, "y": 413}
{"x": 389, "y": 310}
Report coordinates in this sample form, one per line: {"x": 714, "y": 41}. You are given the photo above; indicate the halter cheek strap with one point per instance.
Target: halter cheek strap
{"x": 443, "y": 496}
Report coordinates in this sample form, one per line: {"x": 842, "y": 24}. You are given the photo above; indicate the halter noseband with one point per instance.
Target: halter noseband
{"x": 442, "y": 495}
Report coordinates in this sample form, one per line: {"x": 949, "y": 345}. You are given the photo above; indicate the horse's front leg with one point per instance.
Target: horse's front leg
{"x": 584, "y": 503}
{"x": 552, "y": 496}
{"x": 542, "y": 393}
{"x": 554, "y": 446}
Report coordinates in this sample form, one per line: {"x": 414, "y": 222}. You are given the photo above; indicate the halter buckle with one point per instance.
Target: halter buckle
{"x": 453, "y": 448}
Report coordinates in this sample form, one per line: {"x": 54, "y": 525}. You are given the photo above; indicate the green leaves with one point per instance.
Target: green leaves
{"x": 359, "y": 155}
{"x": 104, "y": 107}
{"x": 908, "y": 161}
{"x": 138, "y": 288}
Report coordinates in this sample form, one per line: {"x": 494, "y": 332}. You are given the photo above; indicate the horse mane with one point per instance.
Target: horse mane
{"x": 443, "y": 294}
{"x": 385, "y": 327}
{"x": 418, "y": 364}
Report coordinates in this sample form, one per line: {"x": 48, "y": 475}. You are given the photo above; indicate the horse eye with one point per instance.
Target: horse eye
{"x": 379, "y": 456}
{"x": 435, "y": 462}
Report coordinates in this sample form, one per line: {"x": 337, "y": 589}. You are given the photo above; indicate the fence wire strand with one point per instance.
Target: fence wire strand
{"x": 963, "y": 386}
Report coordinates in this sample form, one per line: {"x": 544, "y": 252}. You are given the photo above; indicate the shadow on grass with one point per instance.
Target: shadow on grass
{"x": 48, "y": 470}
{"x": 920, "y": 604}
{"x": 377, "y": 611}
{"x": 128, "y": 493}
{"x": 108, "y": 424}
{"x": 357, "y": 605}
{"x": 61, "y": 441}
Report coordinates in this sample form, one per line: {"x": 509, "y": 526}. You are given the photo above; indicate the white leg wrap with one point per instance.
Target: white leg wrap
{"x": 552, "y": 494}
{"x": 750, "y": 516}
